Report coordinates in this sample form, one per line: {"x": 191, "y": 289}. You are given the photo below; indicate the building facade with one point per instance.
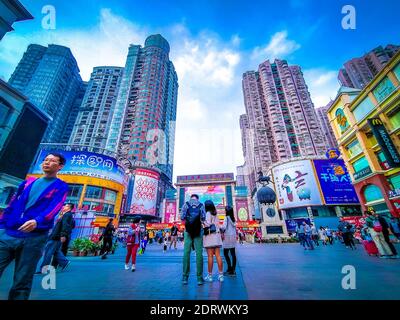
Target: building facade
{"x": 143, "y": 124}
{"x": 322, "y": 114}
{"x": 10, "y": 12}
{"x": 280, "y": 121}
{"x": 366, "y": 124}
{"x": 93, "y": 121}
{"x": 49, "y": 77}
{"x": 358, "y": 72}
{"x": 22, "y": 126}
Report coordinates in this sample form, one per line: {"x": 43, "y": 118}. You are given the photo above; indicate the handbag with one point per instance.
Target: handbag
{"x": 377, "y": 226}
{"x": 209, "y": 230}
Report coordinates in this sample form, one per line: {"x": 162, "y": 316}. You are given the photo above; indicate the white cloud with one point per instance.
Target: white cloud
{"x": 278, "y": 48}
{"x": 322, "y": 84}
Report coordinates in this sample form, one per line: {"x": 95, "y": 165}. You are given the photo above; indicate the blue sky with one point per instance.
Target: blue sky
{"x": 212, "y": 43}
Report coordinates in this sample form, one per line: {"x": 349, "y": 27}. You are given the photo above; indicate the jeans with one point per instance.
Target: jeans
{"x": 231, "y": 267}
{"x": 26, "y": 252}
{"x": 53, "y": 248}
{"x": 198, "y": 244}
{"x": 309, "y": 242}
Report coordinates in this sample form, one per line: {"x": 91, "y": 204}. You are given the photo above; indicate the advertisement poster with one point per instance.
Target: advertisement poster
{"x": 296, "y": 185}
{"x": 170, "y": 212}
{"x": 335, "y": 182}
{"x": 85, "y": 163}
{"x": 214, "y": 193}
{"x": 291, "y": 224}
{"x": 144, "y": 197}
{"x": 242, "y": 211}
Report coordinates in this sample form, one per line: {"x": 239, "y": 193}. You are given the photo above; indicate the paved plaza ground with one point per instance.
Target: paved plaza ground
{"x": 265, "y": 271}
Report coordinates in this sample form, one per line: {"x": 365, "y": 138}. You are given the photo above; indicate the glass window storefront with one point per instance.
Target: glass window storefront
{"x": 93, "y": 192}
{"x": 383, "y": 89}
{"x": 74, "y": 193}
{"x": 395, "y": 181}
{"x": 100, "y": 199}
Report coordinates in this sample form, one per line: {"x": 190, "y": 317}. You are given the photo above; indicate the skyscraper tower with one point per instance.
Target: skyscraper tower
{"x": 280, "y": 121}
{"x": 322, "y": 114}
{"x": 358, "y": 72}
{"x": 93, "y": 122}
{"x": 145, "y": 110}
{"x": 50, "y": 78}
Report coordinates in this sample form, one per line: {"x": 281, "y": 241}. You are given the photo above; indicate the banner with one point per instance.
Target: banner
{"x": 83, "y": 163}
{"x": 385, "y": 142}
{"x": 335, "y": 182}
{"x": 291, "y": 224}
{"x": 215, "y": 193}
{"x": 242, "y": 211}
{"x": 170, "y": 212}
{"x": 145, "y": 188}
{"x": 295, "y": 185}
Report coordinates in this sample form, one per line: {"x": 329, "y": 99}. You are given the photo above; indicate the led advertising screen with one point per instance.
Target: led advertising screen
{"x": 84, "y": 163}
{"x": 335, "y": 182}
{"x": 296, "y": 185}
{"x": 214, "y": 193}
{"x": 242, "y": 211}
{"x": 170, "y": 212}
{"x": 144, "y": 197}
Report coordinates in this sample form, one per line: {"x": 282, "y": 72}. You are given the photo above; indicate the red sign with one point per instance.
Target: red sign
{"x": 170, "y": 211}
{"x": 247, "y": 224}
{"x": 358, "y": 221}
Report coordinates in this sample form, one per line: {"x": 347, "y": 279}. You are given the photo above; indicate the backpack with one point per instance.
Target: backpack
{"x": 192, "y": 221}
{"x": 377, "y": 226}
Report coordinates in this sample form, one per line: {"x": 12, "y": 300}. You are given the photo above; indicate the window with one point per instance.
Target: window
{"x": 382, "y": 160}
{"x": 4, "y": 112}
{"x": 93, "y": 192}
{"x": 372, "y": 193}
{"x": 354, "y": 148}
{"x": 395, "y": 182}
{"x": 395, "y": 120}
{"x": 383, "y": 89}
{"x": 363, "y": 109}
{"x": 360, "y": 164}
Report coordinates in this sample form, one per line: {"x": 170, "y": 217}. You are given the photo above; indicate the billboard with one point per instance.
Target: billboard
{"x": 335, "y": 182}
{"x": 84, "y": 163}
{"x": 215, "y": 193}
{"x": 291, "y": 224}
{"x": 170, "y": 211}
{"x": 295, "y": 185}
{"x": 144, "y": 197}
{"x": 242, "y": 211}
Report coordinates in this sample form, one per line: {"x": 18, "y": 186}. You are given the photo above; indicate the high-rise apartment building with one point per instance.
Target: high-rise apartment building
{"x": 93, "y": 122}
{"x": 358, "y": 72}
{"x": 322, "y": 114}
{"x": 145, "y": 110}
{"x": 280, "y": 121}
{"x": 49, "y": 77}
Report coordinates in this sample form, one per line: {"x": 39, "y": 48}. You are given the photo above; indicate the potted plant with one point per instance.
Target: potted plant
{"x": 85, "y": 248}
{"x": 76, "y": 246}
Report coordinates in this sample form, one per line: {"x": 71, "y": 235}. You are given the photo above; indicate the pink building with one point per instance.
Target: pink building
{"x": 358, "y": 72}
{"x": 325, "y": 126}
{"x": 280, "y": 121}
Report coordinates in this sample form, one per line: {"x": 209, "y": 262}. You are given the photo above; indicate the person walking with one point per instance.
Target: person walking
{"x": 329, "y": 235}
{"x": 345, "y": 232}
{"x": 385, "y": 232}
{"x": 132, "y": 245}
{"x": 59, "y": 234}
{"x": 395, "y": 227}
{"x": 193, "y": 214}
{"x": 350, "y": 236}
{"x": 314, "y": 235}
{"x": 241, "y": 236}
{"x": 174, "y": 236}
{"x": 307, "y": 231}
{"x": 322, "y": 235}
{"x": 229, "y": 240}
{"x": 26, "y": 223}
{"x": 107, "y": 238}
{"x": 212, "y": 241}
{"x": 301, "y": 235}
{"x": 375, "y": 230}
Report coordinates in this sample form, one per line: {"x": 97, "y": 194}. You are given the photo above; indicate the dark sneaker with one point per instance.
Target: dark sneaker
{"x": 185, "y": 280}
{"x": 200, "y": 281}
{"x": 232, "y": 273}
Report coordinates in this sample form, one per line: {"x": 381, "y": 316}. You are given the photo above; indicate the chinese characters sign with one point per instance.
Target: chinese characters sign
{"x": 170, "y": 211}
{"x": 145, "y": 192}
{"x": 242, "y": 209}
{"x": 335, "y": 182}
{"x": 85, "y": 163}
{"x": 295, "y": 185}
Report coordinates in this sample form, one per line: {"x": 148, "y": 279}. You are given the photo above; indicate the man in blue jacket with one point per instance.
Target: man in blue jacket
{"x": 27, "y": 221}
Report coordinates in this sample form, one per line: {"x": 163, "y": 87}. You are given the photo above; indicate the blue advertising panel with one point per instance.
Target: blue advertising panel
{"x": 84, "y": 163}
{"x": 291, "y": 224}
{"x": 335, "y": 182}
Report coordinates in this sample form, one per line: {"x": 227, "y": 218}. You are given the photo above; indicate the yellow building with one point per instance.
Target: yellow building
{"x": 366, "y": 124}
